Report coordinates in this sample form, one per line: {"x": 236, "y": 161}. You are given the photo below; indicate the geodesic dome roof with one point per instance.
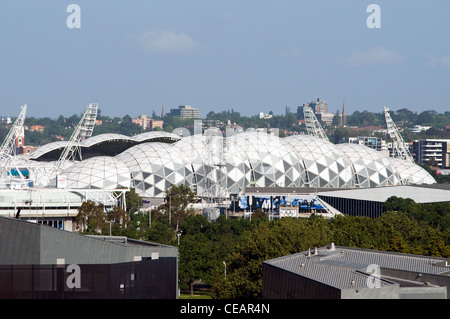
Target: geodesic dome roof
{"x": 154, "y": 168}
{"x": 411, "y": 173}
{"x": 217, "y": 166}
{"x": 102, "y": 172}
{"x": 371, "y": 168}
{"x": 203, "y": 156}
{"x": 270, "y": 161}
{"x": 325, "y": 164}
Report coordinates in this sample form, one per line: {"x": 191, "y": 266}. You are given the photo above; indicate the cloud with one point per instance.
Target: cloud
{"x": 293, "y": 52}
{"x": 164, "y": 41}
{"x": 434, "y": 61}
{"x": 373, "y": 56}
{"x": 226, "y": 16}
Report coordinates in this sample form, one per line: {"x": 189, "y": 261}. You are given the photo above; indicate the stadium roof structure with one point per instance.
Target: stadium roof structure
{"x": 215, "y": 166}
{"x": 109, "y": 144}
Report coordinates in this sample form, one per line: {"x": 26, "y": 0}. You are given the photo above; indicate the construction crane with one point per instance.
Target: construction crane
{"x": 8, "y": 145}
{"x": 313, "y": 126}
{"x": 400, "y": 150}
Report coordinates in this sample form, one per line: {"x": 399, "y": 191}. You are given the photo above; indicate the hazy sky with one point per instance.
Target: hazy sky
{"x": 132, "y": 57}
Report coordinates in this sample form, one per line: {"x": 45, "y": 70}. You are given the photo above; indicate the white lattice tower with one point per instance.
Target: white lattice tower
{"x": 83, "y": 130}
{"x": 313, "y": 126}
{"x": 398, "y": 144}
{"x": 8, "y": 147}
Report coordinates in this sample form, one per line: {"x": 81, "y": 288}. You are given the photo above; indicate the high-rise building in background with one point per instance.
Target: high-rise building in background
{"x": 186, "y": 112}
{"x": 433, "y": 150}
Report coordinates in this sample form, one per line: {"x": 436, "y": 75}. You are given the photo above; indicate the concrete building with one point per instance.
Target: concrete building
{"x": 186, "y": 112}
{"x": 35, "y": 260}
{"x": 427, "y": 149}
{"x": 145, "y": 122}
{"x": 336, "y": 272}
{"x": 319, "y": 106}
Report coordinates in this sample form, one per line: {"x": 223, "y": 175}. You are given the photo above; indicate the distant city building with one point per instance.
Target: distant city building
{"x": 326, "y": 118}
{"x": 186, "y": 112}
{"x": 428, "y": 149}
{"x": 377, "y": 143}
{"x": 154, "y": 124}
{"x": 319, "y": 106}
{"x": 320, "y": 109}
{"x": 265, "y": 116}
{"x": 19, "y": 143}
{"x": 420, "y": 128}
{"x": 37, "y": 128}
{"x": 145, "y": 122}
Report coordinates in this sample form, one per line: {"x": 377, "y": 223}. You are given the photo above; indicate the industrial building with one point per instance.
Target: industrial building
{"x": 35, "y": 260}
{"x": 336, "y": 272}
{"x": 328, "y": 202}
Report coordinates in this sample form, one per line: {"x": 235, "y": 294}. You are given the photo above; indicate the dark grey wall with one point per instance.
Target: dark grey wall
{"x": 26, "y": 243}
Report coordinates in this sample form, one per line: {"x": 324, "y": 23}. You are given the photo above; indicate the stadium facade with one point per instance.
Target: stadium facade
{"x": 216, "y": 167}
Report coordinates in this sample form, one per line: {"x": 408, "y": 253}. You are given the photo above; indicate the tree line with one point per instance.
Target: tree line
{"x": 287, "y": 123}
{"x": 228, "y": 253}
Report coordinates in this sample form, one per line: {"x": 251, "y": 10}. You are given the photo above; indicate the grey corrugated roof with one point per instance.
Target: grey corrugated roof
{"x": 381, "y": 194}
{"x": 346, "y": 268}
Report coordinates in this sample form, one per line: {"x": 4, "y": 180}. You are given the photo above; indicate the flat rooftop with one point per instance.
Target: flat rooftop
{"x": 346, "y": 268}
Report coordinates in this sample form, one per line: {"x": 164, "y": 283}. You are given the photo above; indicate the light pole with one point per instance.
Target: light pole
{"x": 110, "y": 222}
{"x": 225, "y": 265}
{"x": 179, "y": 235}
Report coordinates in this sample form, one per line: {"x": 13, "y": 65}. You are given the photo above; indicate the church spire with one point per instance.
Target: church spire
{"x": 344, "y": 115}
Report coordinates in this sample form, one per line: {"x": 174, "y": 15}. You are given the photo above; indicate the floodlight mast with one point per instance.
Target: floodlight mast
{"x": 83, "y": 130}
{"x": 398, "y": 144}
{"x": 313, "y": 126}
{"x": 8, "y": 147}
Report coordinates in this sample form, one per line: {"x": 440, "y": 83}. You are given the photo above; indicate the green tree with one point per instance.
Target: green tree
{"x": 118, "y": 220}
{"x": 196, "y": 259}
{"x": 177, "y": 200}
{"x": 133, "y": 201}
{"x": 265, "y": 241}
{"x": 91, "y": 218}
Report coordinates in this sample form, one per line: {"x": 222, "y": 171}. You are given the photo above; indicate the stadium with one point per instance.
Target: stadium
{"x": 217, "y": 168}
